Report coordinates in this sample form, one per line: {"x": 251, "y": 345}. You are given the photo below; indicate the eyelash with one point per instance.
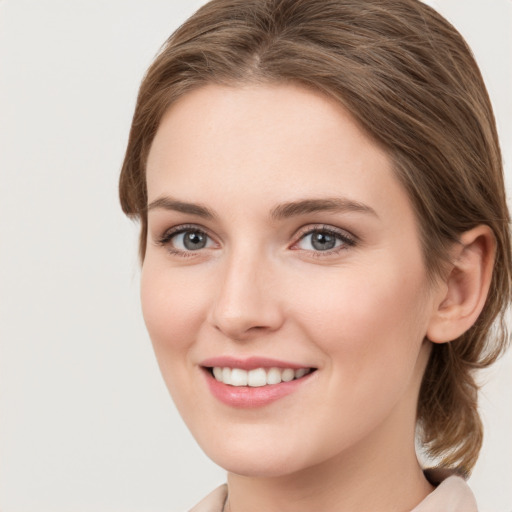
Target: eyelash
{"x": 346, "y": 239}
{"x": 166, "y": 238}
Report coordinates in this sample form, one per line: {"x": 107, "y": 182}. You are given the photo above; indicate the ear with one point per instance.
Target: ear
{"x": 463, "y": 290}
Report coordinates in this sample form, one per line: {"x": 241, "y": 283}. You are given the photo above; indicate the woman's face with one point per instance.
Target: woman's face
{"x": 281, "y": 246}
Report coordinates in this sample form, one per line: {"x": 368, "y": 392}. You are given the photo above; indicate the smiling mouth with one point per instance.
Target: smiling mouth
{"x": 257, "y": 377}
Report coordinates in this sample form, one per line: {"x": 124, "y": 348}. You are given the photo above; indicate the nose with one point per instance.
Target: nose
{"x": 246, "y": 304}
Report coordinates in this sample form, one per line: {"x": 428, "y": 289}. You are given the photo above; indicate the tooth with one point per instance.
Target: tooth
{"x": 226, "y": 375}
{"x": 287, "y": 375}
{"x": 300, "y": 373}
{"x": 238, "y": 377}
{"x": 257, "y": 378}
{"x": 274, "y": 376}
{"x": 217, "y": 373}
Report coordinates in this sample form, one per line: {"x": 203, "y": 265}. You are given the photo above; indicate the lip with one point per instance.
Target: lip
{"x": 246, "y": 396}
{"x": 250, "y": 363}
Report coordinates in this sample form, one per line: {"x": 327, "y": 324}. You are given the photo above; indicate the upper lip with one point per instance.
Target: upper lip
{"x": 249, "y": 363}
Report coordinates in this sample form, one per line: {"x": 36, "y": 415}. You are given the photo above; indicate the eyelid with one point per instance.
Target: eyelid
{"x": 165, "y": 238}
{"x": 345, "y": 236}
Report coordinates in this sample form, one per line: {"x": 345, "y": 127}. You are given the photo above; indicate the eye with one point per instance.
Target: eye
{"x": 324, "y": 240}
{"x": 190, "y": 240}
{"x": 186, "y": 239}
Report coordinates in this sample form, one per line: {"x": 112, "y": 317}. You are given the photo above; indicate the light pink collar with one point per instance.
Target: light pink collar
{"x": 451, "y": 495}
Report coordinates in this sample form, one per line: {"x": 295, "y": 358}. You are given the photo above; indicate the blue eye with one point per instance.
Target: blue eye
{"x": 186, "y": 239}
{"x": 191, "y": 240}
{"x": 324, "y": 240}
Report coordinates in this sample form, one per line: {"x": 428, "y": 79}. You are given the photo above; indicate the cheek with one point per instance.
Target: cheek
{"x": 171, "y": 306}
{"x": 371, "y": 331}
{"x": 370, "y": 321}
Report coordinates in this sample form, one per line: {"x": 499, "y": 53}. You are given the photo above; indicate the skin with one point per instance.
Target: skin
{"x": 359, "y": 314}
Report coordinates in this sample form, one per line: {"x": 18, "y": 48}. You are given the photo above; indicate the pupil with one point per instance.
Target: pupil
{"x": 194, "y": 240}
{"x": 323, "y": 241}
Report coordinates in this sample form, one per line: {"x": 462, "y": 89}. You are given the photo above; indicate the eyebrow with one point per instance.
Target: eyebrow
{"x": 282, "y": 211}
{"x": 333, "y": 204}
{"x": 168, "y": 203}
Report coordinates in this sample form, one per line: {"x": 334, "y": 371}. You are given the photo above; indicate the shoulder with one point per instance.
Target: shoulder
{"x": 214, "y": 502}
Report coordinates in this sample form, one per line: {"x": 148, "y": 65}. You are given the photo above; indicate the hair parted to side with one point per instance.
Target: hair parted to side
{"x": 410, "y": 80}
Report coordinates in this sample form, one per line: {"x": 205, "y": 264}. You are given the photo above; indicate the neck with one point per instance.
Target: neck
{"x": 334, "y": 489}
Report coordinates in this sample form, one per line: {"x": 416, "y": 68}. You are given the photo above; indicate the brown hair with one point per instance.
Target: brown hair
{"x": 410, "y": 80}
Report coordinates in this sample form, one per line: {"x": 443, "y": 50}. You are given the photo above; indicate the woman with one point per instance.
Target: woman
{"x": 325, "y": 249}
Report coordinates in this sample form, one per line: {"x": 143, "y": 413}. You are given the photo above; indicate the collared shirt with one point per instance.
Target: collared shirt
{"x": 451, "y": 495}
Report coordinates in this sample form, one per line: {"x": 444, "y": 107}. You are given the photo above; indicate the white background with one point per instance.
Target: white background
{"x": 85, "y": 420}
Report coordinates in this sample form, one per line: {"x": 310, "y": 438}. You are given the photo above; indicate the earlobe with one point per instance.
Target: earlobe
{"x": 464, "y": 290}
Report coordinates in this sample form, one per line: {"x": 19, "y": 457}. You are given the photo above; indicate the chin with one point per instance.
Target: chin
{"x": 251, "y": 459}
{"x": 261, "y": 468}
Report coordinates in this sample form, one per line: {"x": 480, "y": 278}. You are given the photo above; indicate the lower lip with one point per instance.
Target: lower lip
{"x": 249, "y": 397}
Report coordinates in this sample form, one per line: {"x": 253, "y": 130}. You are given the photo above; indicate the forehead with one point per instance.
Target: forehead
{"x": 268, "y": 142}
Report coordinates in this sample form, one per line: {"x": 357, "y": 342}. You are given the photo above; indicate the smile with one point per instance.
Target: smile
{"x": 257, "y": 377}
{"x": 254, "y": 382}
